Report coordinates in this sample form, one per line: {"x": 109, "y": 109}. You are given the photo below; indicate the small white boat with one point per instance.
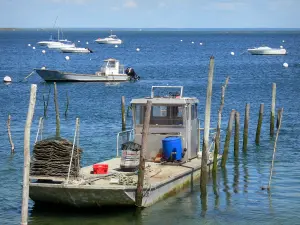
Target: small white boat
{"x": 61, "y": 44}
{"x": 110, "y": 71}
{"x": 264, "y": 50}
{"x": 76, "y": 50}
{"x": 111, "y": 39}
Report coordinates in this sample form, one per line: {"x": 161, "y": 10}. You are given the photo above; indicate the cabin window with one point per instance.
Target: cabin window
{"x": 111, "y": 64}
{"x": 160, "y": 114}
{"x": 194, "y": 111}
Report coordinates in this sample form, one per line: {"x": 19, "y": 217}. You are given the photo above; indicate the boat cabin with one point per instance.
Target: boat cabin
{"x": 172, "y": 116}
{"x": 111, "y": 67}
{"x": 113, "y": 36}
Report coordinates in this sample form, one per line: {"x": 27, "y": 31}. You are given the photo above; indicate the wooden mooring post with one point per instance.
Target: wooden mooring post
{"x": 56, "y": 112}
{"x": 123, "y": 113}
{"x": 12, "y": 150}
{"x": 260, "y": 119}
{"x": 278, "y": 118}
{"x": 227, "y": 139}
{"x": 246, "y": 127}
{"x": 274, "y": 150}
{"x": 218, "y": 133}
{"x": 141, "y": 171}
{"x": 67, "y": 105}
{"x": 236, "y": 134}
{"x": 205, "y": 148}
{"x": 272, "y": 116}
{"x": 25, "y": 195}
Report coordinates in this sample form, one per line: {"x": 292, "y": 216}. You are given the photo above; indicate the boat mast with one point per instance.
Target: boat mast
{"x": 54, "y": 26}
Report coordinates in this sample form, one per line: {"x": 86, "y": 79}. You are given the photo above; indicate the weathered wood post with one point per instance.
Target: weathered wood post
{"x": 278, "y": 118}
{"x": 218, "y": 134}
{"x": 236, "y": 134}
{"x": 123, "y": 113}
{"x": 272, "y": 117}
{"x": 275, "y": 145}
{"x": 27, "y": 154}
{"x": 260, "y": 119}
{"x": 67, "y": 104}
{"x": 140, "y": 183}
{"x": 9, "y": 135}
{"x": 227, "y": 139}
{"x": 57, "y": 112}
{"x": 246, "y": 126}
{"x": 205, "y": 148}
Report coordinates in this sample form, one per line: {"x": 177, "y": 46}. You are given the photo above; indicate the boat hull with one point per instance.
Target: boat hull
{"x": 54, "y": 75}
{"x": 267, "y": 52}
{"x": 167, "y": 183}
{"x": 74, "y": 50}
{"x": 114, "y": 42}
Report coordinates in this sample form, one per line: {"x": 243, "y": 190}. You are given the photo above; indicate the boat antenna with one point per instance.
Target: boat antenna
{"x": 55, "y": 21}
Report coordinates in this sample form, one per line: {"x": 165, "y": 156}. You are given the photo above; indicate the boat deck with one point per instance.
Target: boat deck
{"x": 116, "y": 187}
{"x": 156, "y": 174}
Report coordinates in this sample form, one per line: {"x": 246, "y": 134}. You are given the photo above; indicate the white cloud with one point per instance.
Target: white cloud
{"x": 162, "y": 5}
{"x": 115, "y": 8}
{"x": 130, "y": 4}
{"x": 70, "y": 1}
{"x": 226, "y": 6}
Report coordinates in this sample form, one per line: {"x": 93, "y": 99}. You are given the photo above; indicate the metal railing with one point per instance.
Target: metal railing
{"x": 123, "y": 137}
{"x": 153, "y": 87}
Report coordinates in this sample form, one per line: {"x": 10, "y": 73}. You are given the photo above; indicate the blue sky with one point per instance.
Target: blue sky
{"x": 150, "y": 13}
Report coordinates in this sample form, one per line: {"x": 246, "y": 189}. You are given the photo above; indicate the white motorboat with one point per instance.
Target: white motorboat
{"x": 76, "y": 50}
{"x": 110, "y": 71}
{"x": 111, "y": 39}
{"x": 61, "y": 44}
{"x": 264, "y": 50}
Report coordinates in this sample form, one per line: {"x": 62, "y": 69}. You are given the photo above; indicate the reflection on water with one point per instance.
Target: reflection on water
{"x": 245, "y": 170}
{"x": 216, "y": 189}
{"x": 226, "y": 187}
{"x": 45, "y": 214}
{"x": 236, "y": 175}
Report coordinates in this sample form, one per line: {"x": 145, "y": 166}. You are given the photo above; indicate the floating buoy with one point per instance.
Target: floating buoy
{"x": 181, "y": 40}
{"x": 192, "y": 42}
{"x": 43, "y": 68}
{"x": 285, "y": 65}
{"x": 33, "y": 47}
{"x": 7, "y": 79}
{"x": 67, "y": 57}
{"x": 281, "y": 46}
{"x": 137, "y": 49}
{"x": 232, "y": 53}
{"x": 201, "y": 43}
{"x": 116, "y": 46}
{"x": 283, "y": 41}
{"x": 29, "y": 45}
{"x": 78, "y": 41}
{"x": 87, "y": 42}
{"x": 43, "y": 51}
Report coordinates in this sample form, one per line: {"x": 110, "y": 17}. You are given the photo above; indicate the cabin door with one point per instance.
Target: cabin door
{"x": 194, "y": 131}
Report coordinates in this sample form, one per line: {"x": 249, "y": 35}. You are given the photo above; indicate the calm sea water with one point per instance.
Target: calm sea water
{"x": 236, "y": 196}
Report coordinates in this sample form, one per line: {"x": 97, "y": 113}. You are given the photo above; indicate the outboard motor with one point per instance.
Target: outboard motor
{"x": 130, "y": 72}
